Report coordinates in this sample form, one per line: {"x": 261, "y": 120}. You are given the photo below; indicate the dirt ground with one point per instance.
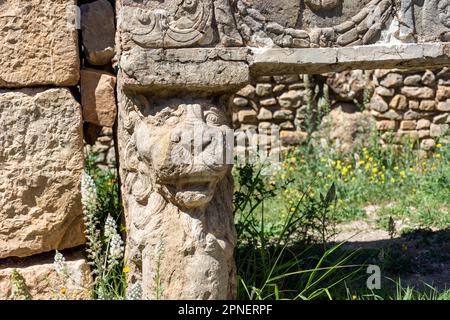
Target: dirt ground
{"x": 416, "y": 257}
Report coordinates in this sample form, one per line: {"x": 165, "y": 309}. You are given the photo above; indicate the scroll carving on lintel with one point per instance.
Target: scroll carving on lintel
{"x": 285, "y": 23}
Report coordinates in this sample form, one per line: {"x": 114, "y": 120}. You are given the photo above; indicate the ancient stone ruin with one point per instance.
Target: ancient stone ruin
{"x": 179, "y": 65}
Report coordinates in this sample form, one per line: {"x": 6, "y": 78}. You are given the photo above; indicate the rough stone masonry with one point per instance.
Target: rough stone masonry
{"x": 178, "y": 63}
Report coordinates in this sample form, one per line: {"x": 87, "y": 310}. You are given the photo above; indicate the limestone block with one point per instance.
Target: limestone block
{"x": 98, "y": 97}
{"x": 392, "y": 80}
{"x": 413, "y": 80}
{"x": 439, "y": 130}
{"x": 423, "y": 124}
{"x": 41, "y": 163}
{"x": 97, "y": 26}
{"x": 38, "y": 43}
{"x": 444, "y": 106}
{"x": 41, "y": 281}
{"x": 290, "y": 99}
{"x": 263, "y": 89}
{"x": 418, "y": 92}
{"x": 247, "y": 116}
{"x": 377, "y": 103}
{"x": 248, "y": 91}
{"x": 240, "y": 102}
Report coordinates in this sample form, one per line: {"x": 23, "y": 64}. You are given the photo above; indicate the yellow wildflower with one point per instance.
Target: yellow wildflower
{"x": 126, "y": 269}
{"x": 63, "y": 291}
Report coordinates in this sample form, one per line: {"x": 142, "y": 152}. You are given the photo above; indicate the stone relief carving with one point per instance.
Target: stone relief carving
{"x": 181, "y": 23}
{"x": 177, "y": 193}
{"x": 286, "y": 23}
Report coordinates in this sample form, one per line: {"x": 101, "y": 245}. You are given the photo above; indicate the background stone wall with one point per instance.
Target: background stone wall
{"x": 348, "y": 107}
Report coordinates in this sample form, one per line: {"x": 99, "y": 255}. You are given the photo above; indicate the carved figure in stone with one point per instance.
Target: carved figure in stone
{"x": 182, "y": 23}
{"x": 177, "y": 192}
{"x": 323, "y": 23}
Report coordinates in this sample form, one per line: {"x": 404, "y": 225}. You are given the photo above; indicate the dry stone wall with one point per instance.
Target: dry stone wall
{"x": 401, "y": 105}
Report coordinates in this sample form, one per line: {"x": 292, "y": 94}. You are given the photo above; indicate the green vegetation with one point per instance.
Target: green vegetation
{"x": 286, "y": 220}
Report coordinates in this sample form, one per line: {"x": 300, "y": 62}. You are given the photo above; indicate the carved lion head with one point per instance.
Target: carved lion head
{"x": 182, "y": 151}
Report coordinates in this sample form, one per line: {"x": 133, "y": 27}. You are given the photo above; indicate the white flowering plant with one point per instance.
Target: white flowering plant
{"x": 104, "y": 247}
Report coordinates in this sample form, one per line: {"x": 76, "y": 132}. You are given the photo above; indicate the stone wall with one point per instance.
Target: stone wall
{"x": 410, "y": 104}
{"x": 399, "y": 104}
{"x": 41, "y": 137}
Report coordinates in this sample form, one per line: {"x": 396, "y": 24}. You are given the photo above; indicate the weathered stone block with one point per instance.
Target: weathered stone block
{"x": 41, "y": 163}
{"x": 386, "y": 125}
{"x": 443, "y": 93}
{"x": 38, "y": 43}
{"x": 408, "y": 125}
{"x": 392, "y": 80}
{"x": 377, "y": 103}
{"x": 427, "y": 105}
{"x": 98, "y": 97}
{"x": 438, "y": 130}
{"x": 418, "y": 92}
{"x": 247, "y": 116}
{"x": 43, "y": 282}
{"x": 263, "y": 89}
{"x": 423, "y": 124}
{"x": 292, "y": 138}
{"x": 443, "y": 106}
{"x": 97, "y": 25}
{"x": 427, "y": 144}
{"x": 399, "y": 102}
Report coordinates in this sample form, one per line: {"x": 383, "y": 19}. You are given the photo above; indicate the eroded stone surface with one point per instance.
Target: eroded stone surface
{"x": 41, "y": 281}
{"x": 98, "y": 97}
{"x": 97, "y": 25}
{"x": 41, "y": 162}
{"x": 38, "y": 43}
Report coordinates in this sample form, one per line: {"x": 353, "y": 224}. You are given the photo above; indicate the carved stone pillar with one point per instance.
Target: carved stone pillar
{"x": 174, "y": 121}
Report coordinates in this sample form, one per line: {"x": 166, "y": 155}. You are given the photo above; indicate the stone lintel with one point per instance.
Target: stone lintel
{"x": 273, "y": 61}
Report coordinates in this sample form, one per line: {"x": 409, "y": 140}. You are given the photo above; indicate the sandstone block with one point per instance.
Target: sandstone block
{"x": 428, "y": 78}
{"x": 386, "y": 125}
{"x": 292, "y": 138}
{"x": 443, "y": 93}
{"x": 98, "y": 29}
{"x": 264, "y": 114}
{"x": 399, "y": 102}
{"x": 98, "y": 97}
{"x": 247, "y": 116}
{"x": 408, "y": 125}
{"x": 427, "y": 105}
{"x": 38, "y": 43}
{"x": 41, "y": 163}
{"x": 40, "y": 278}
{"x": 283, "y": 115}
{"x": 270, "y": 102}
{"x": 385, "y": 92}
{"x": 440, "y": 119}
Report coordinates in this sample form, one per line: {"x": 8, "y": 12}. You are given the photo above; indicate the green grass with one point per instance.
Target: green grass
{"x": 285, "y": 221}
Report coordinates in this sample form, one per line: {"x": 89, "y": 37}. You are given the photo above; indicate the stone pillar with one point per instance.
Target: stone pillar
{"x": 174, "y": 120}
